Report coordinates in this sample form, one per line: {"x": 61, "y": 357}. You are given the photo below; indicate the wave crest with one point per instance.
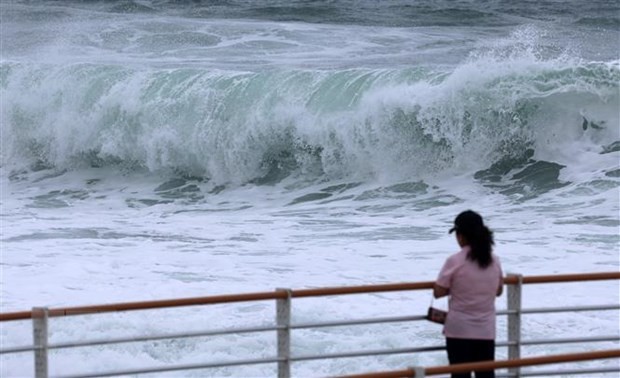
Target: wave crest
{"x": 236, "y": 127}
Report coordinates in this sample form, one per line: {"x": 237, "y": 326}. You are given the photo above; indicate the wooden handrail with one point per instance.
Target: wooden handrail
{"x": 270, "y": 295}
{"x": 482, "y": 366}
{"x": 300, "y": 293}
{"x": 325, "y": 291}
{"x": 147, "y": 305}
{"x": 564, "y": 278}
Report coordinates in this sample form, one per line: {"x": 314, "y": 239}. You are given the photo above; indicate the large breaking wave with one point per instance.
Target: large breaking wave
{"x": 501, "y": 106}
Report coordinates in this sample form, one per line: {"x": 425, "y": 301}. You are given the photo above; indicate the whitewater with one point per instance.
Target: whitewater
{"x": 155, "y": 150}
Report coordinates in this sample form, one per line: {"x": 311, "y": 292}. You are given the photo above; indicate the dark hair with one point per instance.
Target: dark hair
{"x": 478, "y": 236}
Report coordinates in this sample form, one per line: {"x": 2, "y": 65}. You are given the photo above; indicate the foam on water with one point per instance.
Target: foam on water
{"x": 215, "y": 246}
{"x": 146, "y": 154}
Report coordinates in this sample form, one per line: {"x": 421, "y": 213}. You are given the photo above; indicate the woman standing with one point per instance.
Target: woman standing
{"x": 472, "y": 278}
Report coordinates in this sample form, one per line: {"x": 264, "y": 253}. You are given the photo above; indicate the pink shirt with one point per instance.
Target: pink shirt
{"x": 471, "y": 313}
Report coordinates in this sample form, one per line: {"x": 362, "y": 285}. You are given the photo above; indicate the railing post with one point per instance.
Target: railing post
{"x": 419, "y": 371}
{"x": 283, "y": 319}
{"x": 39, "y": 332}
{"x": 514, "y": 322}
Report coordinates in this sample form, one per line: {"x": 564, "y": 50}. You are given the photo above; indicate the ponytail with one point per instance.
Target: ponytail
{"x": 481, "y": 243}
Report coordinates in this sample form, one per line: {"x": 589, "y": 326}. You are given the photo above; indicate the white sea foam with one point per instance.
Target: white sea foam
{"x": 160, "y": 156}
{"x": 57, "y": 258}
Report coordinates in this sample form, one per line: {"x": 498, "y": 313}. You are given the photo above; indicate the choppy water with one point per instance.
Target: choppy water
{"x": 152, "y": 149}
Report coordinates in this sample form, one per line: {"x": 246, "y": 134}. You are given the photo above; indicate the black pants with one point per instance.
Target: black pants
{"x": 469, "y": 350}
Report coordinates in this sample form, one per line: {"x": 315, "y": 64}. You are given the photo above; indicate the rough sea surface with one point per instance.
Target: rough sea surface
{"x": 163, "y": 149}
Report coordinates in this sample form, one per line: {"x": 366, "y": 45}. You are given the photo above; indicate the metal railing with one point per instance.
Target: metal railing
{"x": 283, "y": 327}
{"x": 421, "y": 372}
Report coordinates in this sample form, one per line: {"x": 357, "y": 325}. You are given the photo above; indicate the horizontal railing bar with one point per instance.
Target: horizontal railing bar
{"x": 505, "y": 312}
{"x": 148, "y": 305}
{"x": 273, "y": 328}
{"x": 301, "y": 293}
{"x": 572, "y": 357}
{"x": 560, "y": 309}
{"x": 557, "y": 278}
{"x": 592, "y": 339}
{"x": 21, "y": 349}
{"x": 295, "y": 326}
{"x": 358, "y": 322}
{"x": 542, "y": 310}
{"x": 546, "y": 373}
{"x": 364, "y": 289}
{"x": 473, "y": 366}
{"x": 172, "y": 368}
{"x": 366, "y": 353}
{"x": 19, "y": 315}
{"x": 162, "y": 337}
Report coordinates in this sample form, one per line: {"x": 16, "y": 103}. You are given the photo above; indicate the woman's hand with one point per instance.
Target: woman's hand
{"x": 440, "y": 291}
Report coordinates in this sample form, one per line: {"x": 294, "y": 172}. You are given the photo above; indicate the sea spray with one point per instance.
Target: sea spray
{"x": 233, "y": 127}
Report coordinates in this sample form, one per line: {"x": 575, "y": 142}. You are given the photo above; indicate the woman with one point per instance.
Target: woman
{"x": 472, "y": 278}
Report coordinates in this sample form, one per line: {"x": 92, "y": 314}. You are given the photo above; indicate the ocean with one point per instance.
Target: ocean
{"x": 155, "y": 149}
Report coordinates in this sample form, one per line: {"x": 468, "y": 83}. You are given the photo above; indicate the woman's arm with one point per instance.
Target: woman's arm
{"x": 440, "y": 291}
{"x": 500, "y": 288}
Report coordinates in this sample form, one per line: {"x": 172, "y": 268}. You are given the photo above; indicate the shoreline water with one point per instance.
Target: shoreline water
{"x": 150, "y": 150}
